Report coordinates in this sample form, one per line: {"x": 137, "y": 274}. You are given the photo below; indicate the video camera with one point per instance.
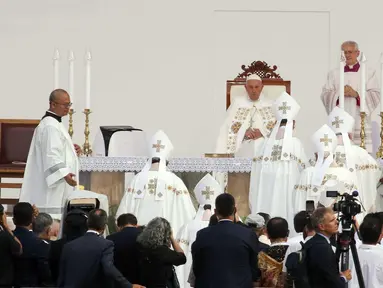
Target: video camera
{"x": 348, "y": 205}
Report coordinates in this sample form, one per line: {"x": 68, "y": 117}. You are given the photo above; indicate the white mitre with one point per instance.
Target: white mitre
{"x": 343, "y": 123}
{"x": 285, "y": 107}
{"x": 160, "y": 147}
{"x": 206, "y": 191}
{"x": 253, "y": 77}
{"x": 325, "y": 142}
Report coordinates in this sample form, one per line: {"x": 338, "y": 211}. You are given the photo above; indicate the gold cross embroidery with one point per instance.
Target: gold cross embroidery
{"x": 152, "y": 186}
{"x": 284, "y": 107}
{"x": 276, "y": 153}
{"x": 325, "y": 140}
{"x": 158, "y": 146}
{"x": 207, "y": 193}
{"x": 337, "y": 122}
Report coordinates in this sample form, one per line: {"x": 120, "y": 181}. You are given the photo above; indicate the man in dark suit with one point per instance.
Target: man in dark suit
{"x": 322, "y": 265}
{"x": 225, "y": 255}
{"x": 31, "y": 267}
{"x": 9, "y": 246}
{"x": 125, "y": 247}
{"x": 88, "y": 261}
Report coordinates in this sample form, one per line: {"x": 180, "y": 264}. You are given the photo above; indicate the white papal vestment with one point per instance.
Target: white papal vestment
{"x": 175, "y": 205}
{"x": 51, "y": 157}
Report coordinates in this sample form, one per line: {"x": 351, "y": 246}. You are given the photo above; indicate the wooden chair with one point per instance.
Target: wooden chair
{"x": 15, "y": 140}
{"x": 274, "y": 85}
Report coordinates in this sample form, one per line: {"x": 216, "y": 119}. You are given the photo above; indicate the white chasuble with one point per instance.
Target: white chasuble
{"x": 330, "y": 95}
{"x": 367, "y": 171}
{"x": 175, "y": 205}
{"x": 305, "y": 190}
{"x": 51, "y": 157}
{"x": 185, "y": 237}
{"x": 272, "y": 181}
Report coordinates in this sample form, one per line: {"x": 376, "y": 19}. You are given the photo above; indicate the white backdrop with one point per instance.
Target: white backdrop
{"x": 163, "y": 64}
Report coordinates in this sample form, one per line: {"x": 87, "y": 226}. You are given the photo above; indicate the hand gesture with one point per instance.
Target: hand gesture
{"x": 350, "y": 92}
{"x": 78, "y": 149}
{"x": 253, "y": 134}
{"x": 347, "y": 274}
{"x": 69, "y": 179}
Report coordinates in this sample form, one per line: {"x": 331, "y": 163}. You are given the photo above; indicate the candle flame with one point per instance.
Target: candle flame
{"x": 56, "y": 55}
{"x": 362, "y": 57}
{"x": 71, "y": 56}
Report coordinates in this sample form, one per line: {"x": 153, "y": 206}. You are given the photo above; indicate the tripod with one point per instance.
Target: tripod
{"x": 346, "y": 241}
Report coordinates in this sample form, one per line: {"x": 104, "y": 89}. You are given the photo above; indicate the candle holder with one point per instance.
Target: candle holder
{"x": 362, "y": 130}
{"x": 86, "y": 148}
{"x": 379, "y": 154}
{"x": 70, "y": 129}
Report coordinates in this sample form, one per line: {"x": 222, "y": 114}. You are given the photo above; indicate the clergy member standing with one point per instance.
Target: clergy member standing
{"x": 248, "y": 121}
{"x": 355, "y": 159}
{"x": 205, "y": 191}
{"x": 352, "y": 91}
{"x": 52, "y": 160}
{"x": 314, "y": 181}
{"x": 277, "y": 165}
{"x": 157, "y": 192}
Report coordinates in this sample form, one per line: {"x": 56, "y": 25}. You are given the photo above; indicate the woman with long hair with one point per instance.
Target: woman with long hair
{"x": 156, "y": 256}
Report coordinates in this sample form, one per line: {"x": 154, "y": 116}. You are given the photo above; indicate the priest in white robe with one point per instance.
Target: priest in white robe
{"x": 205, "y": 191}
{"x": 277, "y": 165}
{"x": 352, "y": 91}
{"x": 157, "y": 192}
{"x": 356, "y": 159}
{"x": 314, "y": 181}
{"x": 52, "y": 164}
{"x": 248, "y": 121}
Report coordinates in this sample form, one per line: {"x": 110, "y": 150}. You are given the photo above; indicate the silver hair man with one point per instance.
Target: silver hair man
{"x": 42, "y": 225}
{"x": 156, "y": 233}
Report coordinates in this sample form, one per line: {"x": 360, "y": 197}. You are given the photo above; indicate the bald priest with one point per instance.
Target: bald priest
{"x": 248, "y": 121}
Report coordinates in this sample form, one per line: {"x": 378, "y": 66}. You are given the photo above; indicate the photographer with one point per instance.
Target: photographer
{"x": 9, "y": 246}
{"x": 322, "y": 266}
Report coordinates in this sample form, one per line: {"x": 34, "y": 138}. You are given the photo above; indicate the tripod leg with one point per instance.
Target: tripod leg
{"x": 357, "y": 265}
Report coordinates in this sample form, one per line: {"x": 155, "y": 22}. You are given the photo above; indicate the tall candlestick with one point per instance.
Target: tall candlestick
{"x": 381, "y": 84}
{"x": 87, "y": 79}
{"x": 56, "y": 69}
{"x": 341, "y": 81}
{"x": 71, "y": 75}
{"x": 363, "y": 83}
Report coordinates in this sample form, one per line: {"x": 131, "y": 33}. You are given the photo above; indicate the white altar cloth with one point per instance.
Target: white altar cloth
{"x": 129, "y": 164}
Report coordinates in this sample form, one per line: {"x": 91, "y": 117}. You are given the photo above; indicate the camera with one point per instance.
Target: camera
{"x": 348, "y": 205}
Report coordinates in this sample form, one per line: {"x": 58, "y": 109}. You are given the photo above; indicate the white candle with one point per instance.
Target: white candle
{"x": 71, "y": 75}
{"x": 363, "y": 83}
{"x": 381, "y": 83}
{"x": 87, "y": 80}
{"x": 56, "y": 69}
{"x": 341, "y": 81}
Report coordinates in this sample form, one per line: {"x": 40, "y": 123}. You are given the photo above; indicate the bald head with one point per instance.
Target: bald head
{"x": 59, "y": 102}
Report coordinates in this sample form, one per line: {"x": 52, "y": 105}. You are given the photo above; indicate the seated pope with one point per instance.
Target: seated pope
{"x": 249, "y": 120}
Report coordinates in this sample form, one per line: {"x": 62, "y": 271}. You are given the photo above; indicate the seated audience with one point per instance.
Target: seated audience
{"x": 88, "y": 260}
{"x": 270, "y": 262}
{"x": 156, "y": 256}
{"x": 41, "y": 226}
{"x": 322, "y": 265}
{"x": 125, "y": 247}
{"x": 225, "y": 255}
{"x": 75, "y": 226}
{"x": 257, "y": 223}
{"x": 9, "y": 246}
{"x": 31, "y": 267}
{"x": 370, "y": 253}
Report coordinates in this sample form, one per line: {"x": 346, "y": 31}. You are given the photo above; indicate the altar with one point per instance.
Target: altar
{"x": 106, "y": 175}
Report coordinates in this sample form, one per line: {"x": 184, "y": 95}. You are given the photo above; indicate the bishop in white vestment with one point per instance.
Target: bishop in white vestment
{"x": 205, "y": 191}
{"x": 352, "y": 90}
{"x": 277, "y": 165}
{"x": 356, "y": 159}
{"x": 314, "y": 181}
{"x": 248, "y": 121}
{"x": 52, "y": 160}
{"x": 157, "y": 192}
